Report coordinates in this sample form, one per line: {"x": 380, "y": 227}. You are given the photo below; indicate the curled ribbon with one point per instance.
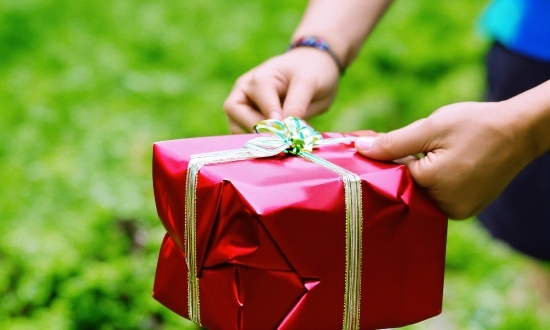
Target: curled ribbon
{"x": 292, "y": 133}
{"x": 290, "y": 136}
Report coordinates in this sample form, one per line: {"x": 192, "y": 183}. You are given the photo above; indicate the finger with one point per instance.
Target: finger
{"x": 298, "y": 98}
{"x": 365, "y": 133}
{"x": 420, "y": 168}
{"x": 236, "y": 129}
{"x": 245, "y": 117}
{"x": 409, "y": 140}
{"x": 315, "y": 107}
{"x": 267, "y": 97}
{"x": 407, "y": 160}
{"x": 241, "y": 111}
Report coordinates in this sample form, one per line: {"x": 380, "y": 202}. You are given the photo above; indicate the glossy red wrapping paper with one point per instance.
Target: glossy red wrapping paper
{"x": 271, "y": 236}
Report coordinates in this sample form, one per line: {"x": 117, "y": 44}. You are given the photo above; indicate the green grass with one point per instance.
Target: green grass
{"x": 87, "y": 87}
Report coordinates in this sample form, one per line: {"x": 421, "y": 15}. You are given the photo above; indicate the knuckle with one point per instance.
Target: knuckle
{"x": 260, "y": 76}
{"x": 228, "y": 107}
{"x": 387, "y": 142}
{"x": 432, "y": 124}
{"x": 242, "y": 79}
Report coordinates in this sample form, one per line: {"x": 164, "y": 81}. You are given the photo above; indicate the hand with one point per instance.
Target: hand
{"x": 472, "y": 152}
{"x": 302, "y": 82}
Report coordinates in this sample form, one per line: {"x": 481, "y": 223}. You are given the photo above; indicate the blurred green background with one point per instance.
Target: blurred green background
{"x": 87, "y": 87}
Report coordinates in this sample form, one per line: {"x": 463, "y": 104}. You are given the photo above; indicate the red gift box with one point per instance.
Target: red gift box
{"x": 271, "y": 235}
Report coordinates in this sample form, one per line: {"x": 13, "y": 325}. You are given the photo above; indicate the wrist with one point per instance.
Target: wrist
{"x": 340, "y": 48}
{"x": 541, "y": 130}
{"x": 321, "y": 45}
{"x": 343, "y": 24}
{"x": 531, "y": 119}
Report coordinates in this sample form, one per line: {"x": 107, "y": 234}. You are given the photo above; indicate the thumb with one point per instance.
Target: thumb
{"x": 406, "y": 141}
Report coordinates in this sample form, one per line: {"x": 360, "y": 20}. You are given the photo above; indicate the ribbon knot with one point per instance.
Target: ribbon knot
{"x": 290, "y": 135}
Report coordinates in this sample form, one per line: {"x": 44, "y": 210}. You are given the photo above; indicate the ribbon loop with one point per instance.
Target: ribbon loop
{"x": 293, "y": 132}
{"x": 265, "y": 146}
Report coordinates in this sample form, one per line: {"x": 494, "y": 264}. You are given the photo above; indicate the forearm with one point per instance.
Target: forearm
{"x": 532, "y": 118}
{"x": 344, "y": 24}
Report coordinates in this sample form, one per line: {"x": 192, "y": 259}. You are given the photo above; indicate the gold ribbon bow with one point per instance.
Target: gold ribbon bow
{"x": 291, "y": 136}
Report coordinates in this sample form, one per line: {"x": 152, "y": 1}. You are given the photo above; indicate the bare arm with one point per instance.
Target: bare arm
{"x": 345, "y": 24}
{"x": 303, "y": 82}
{"x": 473, "y": 150}
{"x": 532, "y": 118}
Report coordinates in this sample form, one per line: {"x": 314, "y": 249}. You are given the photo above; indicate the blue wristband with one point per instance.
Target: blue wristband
{"x": 320, "y": 44}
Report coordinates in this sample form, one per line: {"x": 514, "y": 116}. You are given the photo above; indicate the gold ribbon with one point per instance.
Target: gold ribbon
{"x": 291, "y": 136}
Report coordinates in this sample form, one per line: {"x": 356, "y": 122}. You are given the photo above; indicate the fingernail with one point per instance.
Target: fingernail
{"x": 364, "y": 142}
{"x": 275, "y": 115}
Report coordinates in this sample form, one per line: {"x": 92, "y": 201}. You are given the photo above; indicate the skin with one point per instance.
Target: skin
{"x": 303, "y": 82}
{"x": 472, "y": 150}
{"x": 289, "y": 84}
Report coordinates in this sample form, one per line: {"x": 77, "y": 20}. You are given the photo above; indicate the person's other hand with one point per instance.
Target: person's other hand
{"x": 472, "y": 152}
{"x": 302, "y": 82}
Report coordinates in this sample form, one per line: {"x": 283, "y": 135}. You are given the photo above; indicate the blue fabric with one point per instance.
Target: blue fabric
{"x": 520, "y": 216}
{"x": 521, "y": 25}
